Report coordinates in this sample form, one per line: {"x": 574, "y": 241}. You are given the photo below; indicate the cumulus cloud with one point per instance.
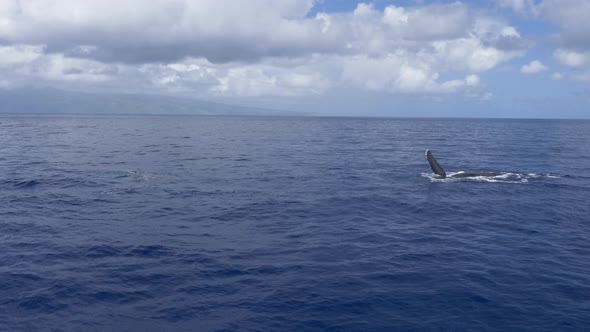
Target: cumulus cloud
{"x": 164, "y": 30}
{"x": 267, "y": 47}
{"x": 571, "y": 18}
{"x": 571, "y": 58}
{"x": 429, "y": 22}
{"x": 533, "y": 67}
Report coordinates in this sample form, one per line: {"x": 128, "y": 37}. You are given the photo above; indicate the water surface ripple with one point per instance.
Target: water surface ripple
{"x": 150, "y": 223}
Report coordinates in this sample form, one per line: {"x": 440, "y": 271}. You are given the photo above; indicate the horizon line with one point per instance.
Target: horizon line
{"x": 2, "y": 114}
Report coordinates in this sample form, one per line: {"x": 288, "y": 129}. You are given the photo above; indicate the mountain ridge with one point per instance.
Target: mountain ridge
{"x": 52, "y": 100}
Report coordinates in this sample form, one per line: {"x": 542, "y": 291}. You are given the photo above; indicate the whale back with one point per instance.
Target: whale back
{"x": 436, "y": 168}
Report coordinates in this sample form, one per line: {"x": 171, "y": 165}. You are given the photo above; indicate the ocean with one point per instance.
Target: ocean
{"x": 228, "y": 223}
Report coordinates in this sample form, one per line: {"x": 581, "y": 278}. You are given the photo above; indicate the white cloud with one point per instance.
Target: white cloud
{"x": 429, "y": 22}
{"x": 472, "y": 80}
{"x": 571, "y": 19}
{"x": 557, "y": 76}
{"x": 572, "y": 58}
{"x": 401, "y": 74}
{"x": 469, "y": 54}
{"x": 135, "y": 31}
{"x": 395, "y": 16}
{"x": 19, "y": 54}
{"x": 510, "y": 32}
{"x": 261, "y": 81}
{"x": 168, "y": 30}
{"x": 264, "y": 48}
{"x": 58, "y": 67}
{"x": 533, "y": 67}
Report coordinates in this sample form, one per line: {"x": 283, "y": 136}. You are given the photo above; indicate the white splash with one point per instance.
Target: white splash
{"x": 506, "y": 177}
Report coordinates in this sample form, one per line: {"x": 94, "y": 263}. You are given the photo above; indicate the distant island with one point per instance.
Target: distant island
{"x": 55, "y": 101}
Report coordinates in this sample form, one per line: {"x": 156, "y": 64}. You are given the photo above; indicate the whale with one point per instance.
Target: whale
{"x": 438, "y": 170}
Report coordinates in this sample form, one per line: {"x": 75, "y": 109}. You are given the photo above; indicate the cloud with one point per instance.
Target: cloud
{"x": 429, "y": 22}
{"x": 395, "y": 74}
{"x": 170, "y": 30}
{"x": 264, "y": 48}
{"x": 135, "y": 32}
{"x": 519, "y": 6}
{"x": 18, "y": 54}
{"x": 571, "y": 17}
{"x": 557, "y": 76}
{"x": 533, "y": 67}
{"x": 571, "y": 58}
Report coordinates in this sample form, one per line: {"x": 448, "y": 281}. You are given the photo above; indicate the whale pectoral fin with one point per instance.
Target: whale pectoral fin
{"x": 436, "y": 168}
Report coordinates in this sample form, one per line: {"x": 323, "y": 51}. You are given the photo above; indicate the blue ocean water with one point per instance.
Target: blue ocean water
{"x": 180, "y": 223}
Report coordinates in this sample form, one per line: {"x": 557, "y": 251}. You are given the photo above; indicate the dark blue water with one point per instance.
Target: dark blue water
{"x": 292, "y": 224}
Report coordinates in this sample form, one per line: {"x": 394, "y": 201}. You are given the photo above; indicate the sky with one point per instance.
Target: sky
{"x": 486, "y": 58}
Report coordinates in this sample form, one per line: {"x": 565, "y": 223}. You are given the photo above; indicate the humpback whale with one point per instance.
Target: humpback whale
{"x": 437, "y": 169}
